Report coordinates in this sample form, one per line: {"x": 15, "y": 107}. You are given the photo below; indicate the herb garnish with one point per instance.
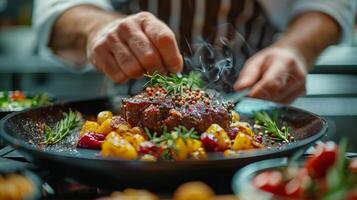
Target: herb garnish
{"x": 168, "y": 138}
{"x": 62, "y": 128}
{"x": 270, "y": 124}
{"x": 176, "y": 83}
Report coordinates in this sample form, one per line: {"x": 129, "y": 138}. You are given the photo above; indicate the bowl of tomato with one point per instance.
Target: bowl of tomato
{"x": 326, "y": 174}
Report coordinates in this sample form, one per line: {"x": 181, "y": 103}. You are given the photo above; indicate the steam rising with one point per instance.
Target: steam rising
{"x": 220, "y": 59}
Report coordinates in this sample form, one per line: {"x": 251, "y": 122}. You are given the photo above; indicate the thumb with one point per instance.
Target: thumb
{"x": 251, "y": 73}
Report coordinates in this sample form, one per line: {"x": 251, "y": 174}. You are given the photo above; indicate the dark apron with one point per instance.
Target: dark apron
{"x": 246, "y": 31}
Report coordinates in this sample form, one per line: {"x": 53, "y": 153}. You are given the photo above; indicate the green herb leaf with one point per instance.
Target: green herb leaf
{"x": 270, "y": 124}
{"x": 62, "y": 128}
{"x": 176, "y": 83}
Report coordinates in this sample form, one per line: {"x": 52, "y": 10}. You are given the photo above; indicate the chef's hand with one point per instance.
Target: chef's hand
{"x": 275, "y": 73}
{"x": 132, "y": 46}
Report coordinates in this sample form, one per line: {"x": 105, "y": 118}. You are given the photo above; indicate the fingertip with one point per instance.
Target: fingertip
{"x": 242, "y": 83}
{"x": 176, "y": 65}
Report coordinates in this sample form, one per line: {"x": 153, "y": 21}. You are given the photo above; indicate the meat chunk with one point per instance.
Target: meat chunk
{"x": 159, "y": 110}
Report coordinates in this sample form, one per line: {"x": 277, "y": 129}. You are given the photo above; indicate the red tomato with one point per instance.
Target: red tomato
{"x": 353, "y": 165}
{"x": 324, "y": 157}
{"x": 17, "y": 96}
{"x": 270, "y": 181}
{"x": 352, "y": 195}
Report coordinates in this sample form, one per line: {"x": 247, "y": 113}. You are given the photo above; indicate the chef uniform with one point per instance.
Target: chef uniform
{"x": 254, "y": 22}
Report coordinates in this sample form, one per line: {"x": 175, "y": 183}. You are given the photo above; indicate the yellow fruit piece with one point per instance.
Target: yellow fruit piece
{"x": 133, "y": 194}
{"x": 242, "y": 142}
{"x": 235, "y": 116}
{"x": 148, "y": 158}
{"x": 89, "y": 126}
{"x": 105, "y": 127}
{"x": 230, "y": 154}
{"x": 193, "y": 144}
{"x": 223, "y": 139}
{"x": 133, "y": 139}
{"x": 122, "y": 128}
{"x": 199, "y": 154}
{"x": 194, "y": 191}
{"x": 243, "y": 127}
{"x": 104, "y": 115}
{"x": 181, "y": 150}
{"x": 117, "y": 147}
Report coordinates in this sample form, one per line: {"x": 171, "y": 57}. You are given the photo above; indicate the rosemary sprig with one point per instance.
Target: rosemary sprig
{"x": 62, "y": 128}
{"x": 270, "y": 125}
{"x": 176, "y": 83}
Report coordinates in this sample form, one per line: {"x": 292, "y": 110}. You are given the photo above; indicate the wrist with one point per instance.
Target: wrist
{"x": 303, "y": 52}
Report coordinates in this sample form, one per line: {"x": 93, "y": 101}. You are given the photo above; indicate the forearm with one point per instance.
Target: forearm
{"x": 310, "y": 34}
{"x": 72, "y": 29}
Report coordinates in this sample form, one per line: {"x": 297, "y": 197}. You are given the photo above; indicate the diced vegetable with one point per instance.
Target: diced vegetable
{"x": 230, "y": 153}
{"x": 117, "y": 147}
{"x": 220, "y": 135}
{"x": 104, "y": 115}
{"x": 89, "y": 126}
{"x": 105, "y": 127}
{"x": 193, "y": 144}
{"x": 242, "y": 142}
{"x": 148, "y": 158}
{"x": 180, "y": 150}
{"x": 133, "y": 139}
{"x": 235, "y": 116}
{"x": 91, "y": 140}
{"x": 199, "y": 154}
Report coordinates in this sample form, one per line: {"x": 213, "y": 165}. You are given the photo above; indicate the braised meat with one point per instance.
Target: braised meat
{"x": 155, "y": 109}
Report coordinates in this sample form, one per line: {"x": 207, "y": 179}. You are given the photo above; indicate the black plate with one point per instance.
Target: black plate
{"x": 20, "y": 127}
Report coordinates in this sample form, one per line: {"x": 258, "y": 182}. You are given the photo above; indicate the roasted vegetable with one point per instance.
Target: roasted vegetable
{"x": 215, "y": 139}
{"x": 89, "y": 126}
{"x": 117, "y": 147}
{"x": 104, "y": 115}
{"x": 91, "y": 140}
{"x": 106, "y": 127}
{"x": 243, "y": 142}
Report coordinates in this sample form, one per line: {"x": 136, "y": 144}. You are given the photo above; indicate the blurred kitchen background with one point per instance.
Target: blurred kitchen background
{"x": 331, "y": 86}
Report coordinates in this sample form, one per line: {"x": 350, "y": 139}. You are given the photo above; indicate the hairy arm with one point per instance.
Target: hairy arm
{"x": 73, "y": 28}
{"x": 310, "y": 34}
{"x": 123, "y": 47}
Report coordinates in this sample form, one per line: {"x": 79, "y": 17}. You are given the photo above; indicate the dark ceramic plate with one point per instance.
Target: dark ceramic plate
{"x": 21, "y": 127}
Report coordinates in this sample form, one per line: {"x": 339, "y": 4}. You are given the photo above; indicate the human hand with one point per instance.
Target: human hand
{"x": 132, "y": 46}
{"x": 275, "y": 73}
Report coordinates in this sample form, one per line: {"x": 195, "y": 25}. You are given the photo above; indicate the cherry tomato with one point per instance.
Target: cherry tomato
{"x": 270, "y": 181}
{"x": 324, "y": 157}
{"x": 17, "y": 96}
{"x": 352, "y": 195}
